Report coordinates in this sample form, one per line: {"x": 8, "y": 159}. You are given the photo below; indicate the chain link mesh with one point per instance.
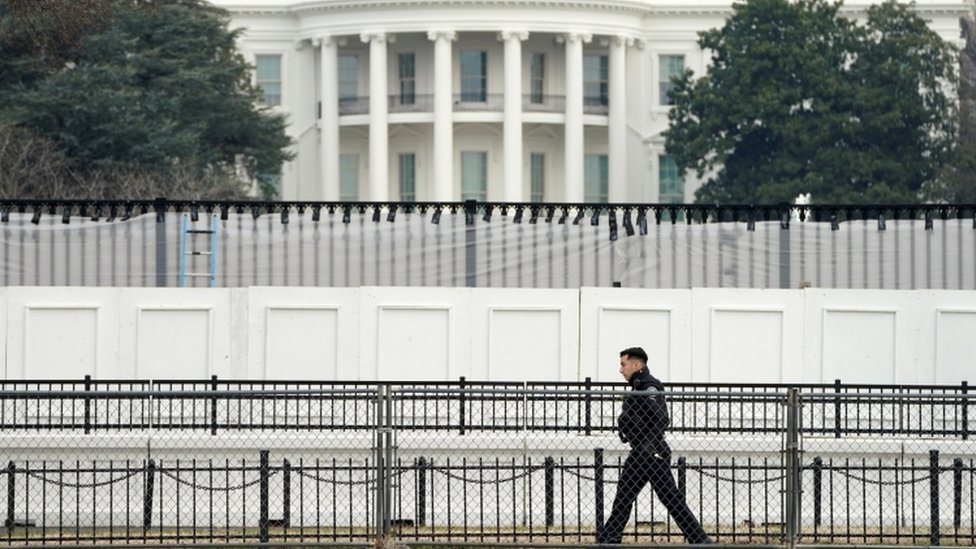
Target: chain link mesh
{"x": 483, "y": 463}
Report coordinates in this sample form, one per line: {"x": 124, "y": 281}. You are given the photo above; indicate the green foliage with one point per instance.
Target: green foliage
{"x": 799, "y": 99}
{"x": 157, "y": 85}
{"x": 957, "y": 182}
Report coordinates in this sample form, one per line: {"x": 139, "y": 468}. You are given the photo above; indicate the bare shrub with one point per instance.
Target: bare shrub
{"x": 32, "y": 167}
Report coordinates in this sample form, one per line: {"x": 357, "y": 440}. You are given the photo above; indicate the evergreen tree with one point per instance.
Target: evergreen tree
{"x": 156, "y": 87}
{"x": 958, "y": 181}
{"x": 799, "y": 99}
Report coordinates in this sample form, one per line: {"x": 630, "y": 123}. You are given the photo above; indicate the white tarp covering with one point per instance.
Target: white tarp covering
{"x": 409, "y": 250}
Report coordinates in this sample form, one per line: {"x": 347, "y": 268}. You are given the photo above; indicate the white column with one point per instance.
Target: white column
{"x": 443, "y": 152}
{"x": 379, "y": 134}
{"x": 617, "y": 130}
{"x": 329, "y": 123}
{"x": 574, "y": 116}
{"x": 512, "y": 130}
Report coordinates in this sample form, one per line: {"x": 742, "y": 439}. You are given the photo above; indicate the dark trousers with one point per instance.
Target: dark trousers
{"x": 640, "y": 468}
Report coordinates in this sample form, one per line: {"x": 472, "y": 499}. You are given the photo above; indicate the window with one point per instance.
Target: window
{"x": 474, "y": 76}
{"x": 595, "y": 79}
{"x": 268, "y": 78}
{"x": 348, "y": 78}
{"x": 474, "y": 176}
{"x": 671, "y": 189}
{"x": 595, "y": 177}
{"x": 537, "y": 175}
{"x": 538, "y": 79}
{"x": 669, "y": 66}
{"x": 408, "y": 83}
{"x": 670, "y": 186}
{"x": 348, "y": 177}
{"x": 408, "y": 177}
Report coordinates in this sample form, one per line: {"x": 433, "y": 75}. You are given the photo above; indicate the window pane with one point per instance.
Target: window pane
{"x": 408, "y": 175}
{"x": 349, "y": 177}
{"x": 268, "y": 78}
{"x": 669, "y": 66}
{"x": 348, "y": 77}
{"x": 537, "y": 84}
{"x": 595, "y": 177}
{"x": 474, "y": 175}
{"x": 474, "y": 79}
{"x": 407, "y": 80}
{"x": 596, "y": 70}
{"x": 590, "y": 77}
{"x": 408, "y": 93}
{"x": 407, "y": 65}
{"x": 670, "y": 185}
{"x": 537, "y": 167}
{"x": 604, "y": 79}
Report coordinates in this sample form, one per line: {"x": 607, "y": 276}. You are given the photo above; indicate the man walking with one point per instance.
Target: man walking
{"x": 642, "y": 423}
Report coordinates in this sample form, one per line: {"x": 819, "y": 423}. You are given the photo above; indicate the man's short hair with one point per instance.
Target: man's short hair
{"x": 635, "y": 352}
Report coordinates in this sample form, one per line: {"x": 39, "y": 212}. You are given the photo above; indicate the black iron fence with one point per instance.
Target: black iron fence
{"x": 479, "y": 244}
{"x": 466, "y": 406}
{"x": 464, "y": 462}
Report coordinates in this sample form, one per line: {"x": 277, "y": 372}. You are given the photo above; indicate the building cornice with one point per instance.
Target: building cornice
{"x": 307, "y": 7}
{"x": 637, "y": 7}
{"x": 712, "y": 7}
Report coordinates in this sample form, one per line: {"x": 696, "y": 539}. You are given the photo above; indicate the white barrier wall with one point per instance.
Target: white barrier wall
{"x": 725, "y": 335}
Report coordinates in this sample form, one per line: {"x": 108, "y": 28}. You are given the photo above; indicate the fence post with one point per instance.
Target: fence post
{"x": 934, "y": 497}
{"x": 263, "y": 505}
{"x": 213, "y": 405}
{"x": 550, "y": 468}
{"x": 792, "y": 465}
{"x": 383, "y": 457}
{"x": 88, "y": 384}
{"x": 956, "y": 493}
{"x": 286, "y": 494}
{"x": 462, "y": 401}
{"x": 784, "y": 248}
{"x": 598, "y": 487}
{"x": 421, "y": 511}
{"x": 965, "y": 411}
{"x": 388, "y": 465}
{"x": 147, "y": 496}
{"x": 588, "y": 384}
{"x": 470, "y": 244}
{"x": 160, "y": 206}
{"x": 817, "y": 491}
{"x": 682, "y": 475}
{"x": 377, "y": 462}
{"x": 837, "y": 408}
{"x": 11, "y": 493}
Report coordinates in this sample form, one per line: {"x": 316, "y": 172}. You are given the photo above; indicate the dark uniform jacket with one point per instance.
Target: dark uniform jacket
{"x": 644, "y": 415}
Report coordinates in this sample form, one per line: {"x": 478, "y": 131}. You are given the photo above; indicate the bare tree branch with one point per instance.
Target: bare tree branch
{"x": 32, "y": 167}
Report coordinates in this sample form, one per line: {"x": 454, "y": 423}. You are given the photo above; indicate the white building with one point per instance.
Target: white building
{"x": 501, "y": 100}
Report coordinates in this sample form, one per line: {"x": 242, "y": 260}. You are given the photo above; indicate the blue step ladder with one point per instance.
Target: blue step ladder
{"x": 190, "y": 237}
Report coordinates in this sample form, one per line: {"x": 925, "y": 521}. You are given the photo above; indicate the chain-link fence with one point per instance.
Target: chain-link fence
{"x": 160, "y": 243}
{"x": 466, "y": 463}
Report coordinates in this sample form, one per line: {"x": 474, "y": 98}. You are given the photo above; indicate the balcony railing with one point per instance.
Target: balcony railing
{"x": 486, "y": 102}
{"x": 595, "y": 104}
{"x": 543, "y": 103}
{"x": 415, "y": 102}
{"x": 489, "y": 102}
{"x": 354, "y": 105}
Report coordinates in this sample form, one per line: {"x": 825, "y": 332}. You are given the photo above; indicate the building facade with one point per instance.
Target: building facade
{"x": 504, "y": 100}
